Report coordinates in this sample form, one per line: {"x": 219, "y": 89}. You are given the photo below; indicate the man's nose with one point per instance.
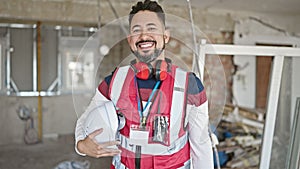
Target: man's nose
{"x": 144, "y": 33}
{"x": 143, "y": 36}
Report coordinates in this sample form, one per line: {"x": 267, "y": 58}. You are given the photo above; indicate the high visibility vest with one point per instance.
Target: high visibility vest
{"x": 170, "y": 102}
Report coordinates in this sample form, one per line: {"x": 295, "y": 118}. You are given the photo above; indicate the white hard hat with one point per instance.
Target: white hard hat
{"x": 104, "y": 117}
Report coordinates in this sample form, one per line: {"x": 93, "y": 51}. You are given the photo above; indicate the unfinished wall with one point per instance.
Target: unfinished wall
{"x": 226, "y": 71}
{"x": 59, "y": 115}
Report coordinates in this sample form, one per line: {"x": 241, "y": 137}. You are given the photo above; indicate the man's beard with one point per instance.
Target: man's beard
{"x": 148, "y": 58}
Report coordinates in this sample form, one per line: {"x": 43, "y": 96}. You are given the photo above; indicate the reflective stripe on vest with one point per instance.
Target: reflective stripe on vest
{"x": 177, "y": 103}
{"x": 116, "y": 88}
{"x": 156, "y": 149}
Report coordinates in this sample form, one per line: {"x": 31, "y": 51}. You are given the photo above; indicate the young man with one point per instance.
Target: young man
{"x": 165, "y": 108}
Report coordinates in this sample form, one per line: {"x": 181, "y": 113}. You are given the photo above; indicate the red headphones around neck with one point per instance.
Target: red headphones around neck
{"x": 145, "y": 71}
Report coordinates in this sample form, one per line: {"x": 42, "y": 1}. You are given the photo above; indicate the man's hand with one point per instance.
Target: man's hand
{"x": 90, "y": 147}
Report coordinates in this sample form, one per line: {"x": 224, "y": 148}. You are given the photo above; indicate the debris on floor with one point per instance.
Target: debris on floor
{"x": 240, "y": 136}
{"x": 73, "y": 165}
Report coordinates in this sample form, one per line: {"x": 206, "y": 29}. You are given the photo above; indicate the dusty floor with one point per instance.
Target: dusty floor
{"x": 45, "y": 155}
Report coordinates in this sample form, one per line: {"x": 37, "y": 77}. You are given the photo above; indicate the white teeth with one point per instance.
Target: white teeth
{"x": 146, "y": 45}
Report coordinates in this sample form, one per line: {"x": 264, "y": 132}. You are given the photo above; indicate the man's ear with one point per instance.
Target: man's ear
{"x": 128, "y": 39}
{"x": 167, "y": 35}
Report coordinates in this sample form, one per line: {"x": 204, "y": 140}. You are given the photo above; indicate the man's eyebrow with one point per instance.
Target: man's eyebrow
{"x": 136, "y": 26}
{"x": 151, "y": 24}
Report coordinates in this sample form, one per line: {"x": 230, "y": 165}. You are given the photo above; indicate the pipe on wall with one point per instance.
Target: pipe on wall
{"x": 39, "y": 85}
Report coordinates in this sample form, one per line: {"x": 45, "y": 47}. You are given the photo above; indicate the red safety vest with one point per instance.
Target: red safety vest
{"x": 175, "y": 151}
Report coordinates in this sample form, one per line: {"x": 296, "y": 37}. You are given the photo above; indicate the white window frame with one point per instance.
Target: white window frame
{"x": 279, "y": 53}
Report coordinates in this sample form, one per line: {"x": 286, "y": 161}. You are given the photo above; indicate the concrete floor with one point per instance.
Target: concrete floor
{"x": 45, "y": 155}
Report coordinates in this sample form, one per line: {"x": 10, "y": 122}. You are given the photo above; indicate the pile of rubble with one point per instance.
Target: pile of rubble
{"x": 240, "y": 137}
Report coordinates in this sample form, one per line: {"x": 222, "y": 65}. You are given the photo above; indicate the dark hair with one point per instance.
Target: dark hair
{"x": 150, "y": 6}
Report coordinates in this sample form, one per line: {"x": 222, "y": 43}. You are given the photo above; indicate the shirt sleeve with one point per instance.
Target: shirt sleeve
{"x": 198, "y": 122}
{"x": 98, "y": 100}
{"x": 201, "y": 147}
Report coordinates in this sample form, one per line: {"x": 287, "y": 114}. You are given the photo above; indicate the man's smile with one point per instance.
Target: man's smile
{"x": 146, "y": 45}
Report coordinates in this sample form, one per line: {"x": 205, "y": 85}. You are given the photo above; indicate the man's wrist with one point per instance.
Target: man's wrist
{"x": 79, "y": 149}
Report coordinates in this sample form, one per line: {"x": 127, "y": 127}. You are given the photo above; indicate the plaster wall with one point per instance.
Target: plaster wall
{"x": 59, "y": 115}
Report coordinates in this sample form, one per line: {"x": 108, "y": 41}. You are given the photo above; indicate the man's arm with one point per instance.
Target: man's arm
{"x": 201, "y": 147}
{"x": 198, "y": 122}
{"x": 87, "y": 145}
